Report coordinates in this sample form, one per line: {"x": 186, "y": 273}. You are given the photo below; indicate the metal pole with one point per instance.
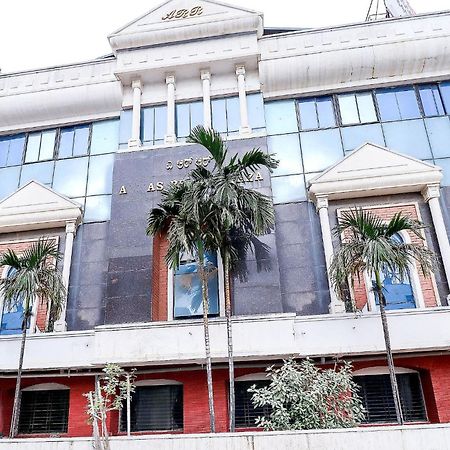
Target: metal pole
{"x": 128, "y": 405}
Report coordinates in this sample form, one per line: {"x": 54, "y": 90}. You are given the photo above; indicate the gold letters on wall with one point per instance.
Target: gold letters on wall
{"x": 183, "y": 13}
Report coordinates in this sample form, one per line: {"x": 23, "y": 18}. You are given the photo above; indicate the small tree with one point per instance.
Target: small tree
{"x": 109, "y": 394}
{"x": 303, "y": 397}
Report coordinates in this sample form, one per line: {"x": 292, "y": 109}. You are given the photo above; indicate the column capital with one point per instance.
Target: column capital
{"x": 205, "y": 74}
{"x": 170, "y": 78}
{"x": 240, "y": 69}
{"x": 431, "y": 191}
{"x": 136, "y": 84}
{"x": 321, "y": 202}
{"x": 71, "y": 227}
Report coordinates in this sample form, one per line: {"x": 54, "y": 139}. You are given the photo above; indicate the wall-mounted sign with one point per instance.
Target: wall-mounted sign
{"x": 183, "y": 13}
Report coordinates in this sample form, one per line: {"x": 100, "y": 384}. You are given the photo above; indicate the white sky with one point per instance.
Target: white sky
{"x": 43, "y": 33}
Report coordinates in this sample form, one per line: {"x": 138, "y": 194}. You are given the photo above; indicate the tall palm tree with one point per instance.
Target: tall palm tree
{"x": 34, "y": 277}
{"x": 238, "y": 215}
{"x": 369, "y": 245}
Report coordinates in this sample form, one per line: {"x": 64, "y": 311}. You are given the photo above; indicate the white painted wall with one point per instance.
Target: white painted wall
{"x": 424, "y": 437}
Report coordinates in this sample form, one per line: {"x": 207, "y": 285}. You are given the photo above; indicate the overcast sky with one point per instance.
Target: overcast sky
{"x": 43, "y": 33}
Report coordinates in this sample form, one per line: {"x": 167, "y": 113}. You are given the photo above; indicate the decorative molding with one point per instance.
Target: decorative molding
{"x": 205, "y": 74}
{"x": 431, "y": 191}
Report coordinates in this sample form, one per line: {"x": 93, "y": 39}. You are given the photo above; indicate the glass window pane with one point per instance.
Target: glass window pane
{"x": 445, "y": 165}
{"x": 182, "y": 120}
{"x": 233, "y": 114}
{"x": 387, "y": 105}
{"x": 354, "y": 137}
{"x": 126, "y": 117}
{"x": 366, "y": 107}
{"x": 98, "y": 208}
{"x": 16, "y": 147}
{"x": 348, "y": 109}
{"x": 281, "y": 117}
{"x": 10, "y": 180}
{"x": 439, "y": 134}
{"x": 407, "y": 102}
{"x": 196, "y": 114}
{"x": 287, "y": 150}
{"x": 288, "y": 189}
{"x": 320, "y": 149}
{"x": 66, "y": 142}
{"x": 431, "y": 100}
{"x": 105, "y": 137}
{"x": 42, "y": 172}
{"x": 408, "y": 137}
{"x": 47, "y": 145}
{"x": 70, "y": 177}
{"x": 219, "y": 115}
{"x": 445, "y": 93}
{"x": 100, "y": 175}
{"x": 325, "y": 111}
{"x": 160, "y": 123}
{"x": 4, "y": 147}
{"x": 147, "y": 125}
{"x": 256, "y": 111}
{"x": 308, "y": 114}
{"x": 81, "y": 142}
{"x": 33, "y": 144}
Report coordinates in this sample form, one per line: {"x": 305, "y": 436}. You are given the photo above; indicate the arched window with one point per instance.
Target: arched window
{"x": 397, "y": 287}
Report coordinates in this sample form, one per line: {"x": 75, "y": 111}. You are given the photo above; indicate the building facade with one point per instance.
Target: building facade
{"x": 358, "y": 115}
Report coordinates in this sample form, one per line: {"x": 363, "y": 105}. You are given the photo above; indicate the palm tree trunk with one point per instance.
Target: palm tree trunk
{"x": 204, "y": 281}
{"x": 387, "y": 340}
{"x": 17, "y": 394}
{"x": 226, "y": 273}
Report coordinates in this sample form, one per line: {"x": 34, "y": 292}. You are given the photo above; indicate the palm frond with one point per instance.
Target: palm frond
{"x": 211, "y": 140}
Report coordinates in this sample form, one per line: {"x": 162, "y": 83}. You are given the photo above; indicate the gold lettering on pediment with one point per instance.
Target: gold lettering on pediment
{"x": 122, "y": 190}
{"x": 183, "y": 13}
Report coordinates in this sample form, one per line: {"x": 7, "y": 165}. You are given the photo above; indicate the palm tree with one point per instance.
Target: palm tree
{"x": 369, "y": 245}
{"x": 33, "y": 277}
{"x": 239, "y": 215}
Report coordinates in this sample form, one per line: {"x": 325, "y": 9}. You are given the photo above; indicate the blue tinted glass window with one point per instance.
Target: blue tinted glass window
{"x": 105, "y": 137}
{"x": 33, "y": 145}
{"x": 407, "y": 103}
{"x": 287, "y": 150}
{"x": 366, "y": 107}
{"x": 308, "y": 114}
{"x": 354, "y": 137}
{"x": 42, "y": 172}
{"x": 98, "y": 208}
{"x": 256, "y": 111}
{"x": 147, "y": 125}
{"x": 47, "y": 145}
{"x": 398, "y": 103}
{"x": 219, "y": 115}
{"x": 187, "y": 301}
{"x": 16, "y": 148}
{"x": 408, "y": 137}
{"x": 320, "y": 149}
{"x": 70, "y": 177}
{"x": 126, "y": 119}
{"x": 4, "y": 147}
{"x": 160, "y": 124}
{"x": 66, "y": 142}
{"x": 233, "y": 114}
{"x": 445, "y": 93}
{"x": 431, "y": 100}
{"x": 81, "y": 140}
{"x": 281, "y": 117}
{"x": 387, "y": 105}
{"x": 325, "y": 112}
{"x": 348, "y": 109}
{"x": 445, "y": 165}
{"x": 438, "y": 129}
{"x": 100, "y": 175}
{"x": 9, "y": 177}
{"x": 288, "y": 189}
{"x": 196, "y": 114}
{"x": 182, "y": 119}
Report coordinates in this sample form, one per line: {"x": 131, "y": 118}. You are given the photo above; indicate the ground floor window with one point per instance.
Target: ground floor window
{"x": 246, "y": 413}
{"x": 44, "y": 411}
{"x": 376, "y": 394}
{"x": 155, "y": 408}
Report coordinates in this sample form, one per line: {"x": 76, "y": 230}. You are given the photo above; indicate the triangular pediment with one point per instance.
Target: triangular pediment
{"x": 35, "y": 206}
{"x": 374, "y": 170}
{"x": 178, "y": 20}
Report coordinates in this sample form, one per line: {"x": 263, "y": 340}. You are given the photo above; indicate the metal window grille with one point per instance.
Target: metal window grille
{"x": 155, "y": 408}
{"x": 44, "y": 412}
{"x": 246, "y": 413}
{"x": 376, "y": 394}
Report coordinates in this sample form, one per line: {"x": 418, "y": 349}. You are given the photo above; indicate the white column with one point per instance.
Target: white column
{"x": 431, "y": 195}
{"x": 336, "y": 305}
{"x": 135, "y": 140}
{"x": 170, "y": 135}
{"x": 245, "y": 126}
{"x": 60, "y": 324}
{"x": 205, "y": 76}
